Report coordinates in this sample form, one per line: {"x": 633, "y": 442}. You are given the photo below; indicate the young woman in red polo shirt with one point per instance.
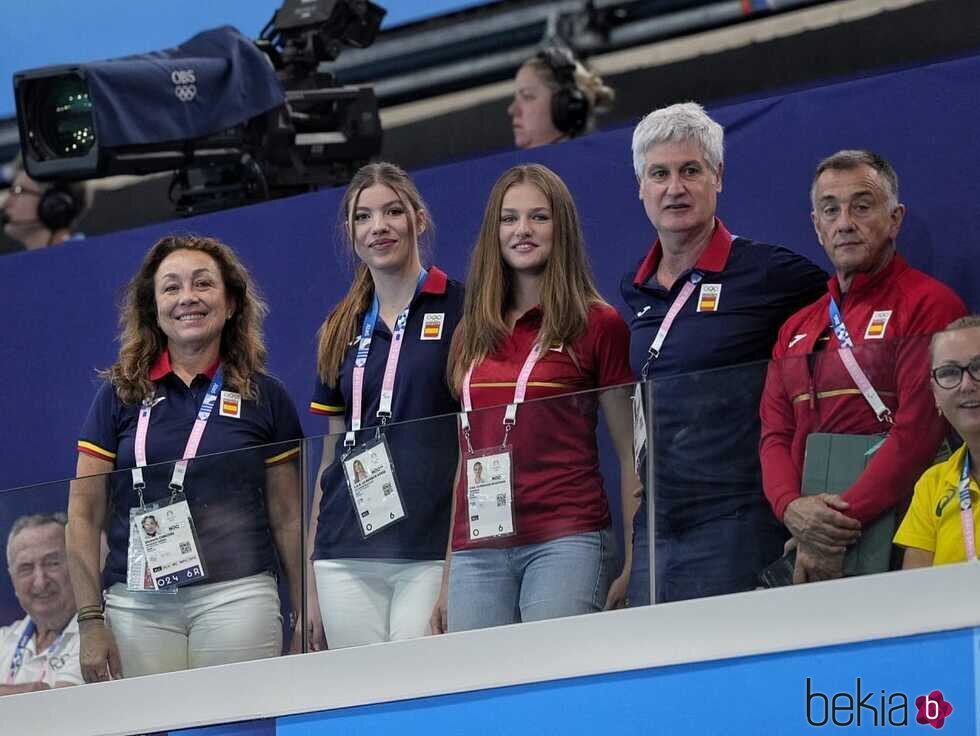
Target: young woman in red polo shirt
{"x": 531, "y": 537}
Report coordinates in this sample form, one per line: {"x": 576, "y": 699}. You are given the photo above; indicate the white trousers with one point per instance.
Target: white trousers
{"x": 201, "y": 625}
{"x": 366, "y": 601}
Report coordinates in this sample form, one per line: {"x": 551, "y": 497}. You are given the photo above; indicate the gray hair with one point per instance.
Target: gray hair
{"x": 963, "y": 323}
{"x": 681, "y": 122}
{"x": 848, "y": 160}
{"x": 29, "y": 522}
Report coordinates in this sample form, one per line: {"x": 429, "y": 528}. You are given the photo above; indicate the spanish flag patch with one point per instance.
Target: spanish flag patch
{"x": 231, "y": 405}
{"x": 877, "y": 325}
{"x": 709, "y": 297}
{"x": 432, "y": 325}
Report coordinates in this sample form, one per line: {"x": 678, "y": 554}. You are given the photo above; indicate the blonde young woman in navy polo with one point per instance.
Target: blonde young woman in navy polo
{"x": 531, "y": 537}
{"x": 384, "y": 494}
{"x": 189, "y": 382}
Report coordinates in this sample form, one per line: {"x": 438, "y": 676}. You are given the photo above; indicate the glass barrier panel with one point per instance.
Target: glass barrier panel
{"x": 564, "y": 505}
{"x": 770, "y": 473}
{"x": 177, "y": 566}
{"x": 529, "y": 501}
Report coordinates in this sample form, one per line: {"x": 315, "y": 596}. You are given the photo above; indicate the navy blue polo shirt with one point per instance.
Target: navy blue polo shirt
{"x": 424, "y": 453}
{"x": 225, "y": 492}
{"x": 708, "y": 378}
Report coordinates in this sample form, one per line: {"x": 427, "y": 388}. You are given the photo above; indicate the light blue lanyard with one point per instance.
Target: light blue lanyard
{"x": 837, "y": 322}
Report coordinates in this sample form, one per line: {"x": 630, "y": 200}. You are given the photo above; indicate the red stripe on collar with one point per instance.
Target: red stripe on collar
{"x": 713, "y": 259}
{"x": 162, "y": 367}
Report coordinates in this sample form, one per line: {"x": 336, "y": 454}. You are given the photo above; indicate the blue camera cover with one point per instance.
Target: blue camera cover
{"x": 215, "y": 80}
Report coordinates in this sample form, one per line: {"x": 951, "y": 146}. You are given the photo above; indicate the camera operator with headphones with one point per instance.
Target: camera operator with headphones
{"x": 40, "y": 215}
{"x": 555, "y": 98}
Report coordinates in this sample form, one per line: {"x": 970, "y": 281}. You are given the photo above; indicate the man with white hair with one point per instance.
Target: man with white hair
{"x": 706, "y": 307}
{"x": 40, "y": 651}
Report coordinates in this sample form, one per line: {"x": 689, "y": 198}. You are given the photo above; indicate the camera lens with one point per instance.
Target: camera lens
{"x": 64, "y": 116}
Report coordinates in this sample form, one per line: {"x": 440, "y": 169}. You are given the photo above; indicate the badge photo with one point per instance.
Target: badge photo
{"x": 877, "y": 325}
{"x": 231, "y": 405}
{"x": 709, "y": 297}
{"x": 432, "y": 324}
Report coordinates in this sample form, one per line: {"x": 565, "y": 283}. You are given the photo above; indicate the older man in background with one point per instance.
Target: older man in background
{"x": 40, "y": 651}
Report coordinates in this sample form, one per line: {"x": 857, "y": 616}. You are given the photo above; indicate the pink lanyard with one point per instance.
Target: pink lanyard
{"x": 190, "y": 449}
{"x": 860, "y": 378}
{"x": 520, "y": 391}
{"x": 654, "y": 352}
{"x": 391, "y": 366}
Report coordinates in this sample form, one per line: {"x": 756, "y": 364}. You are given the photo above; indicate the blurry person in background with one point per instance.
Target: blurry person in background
{"x": 38, "y": 215}
{"x": 555, "y": 98}
{"x": 40, "y": 651}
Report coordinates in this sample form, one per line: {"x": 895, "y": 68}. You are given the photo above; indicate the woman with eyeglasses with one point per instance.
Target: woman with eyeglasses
{"x": 939, "y": 526}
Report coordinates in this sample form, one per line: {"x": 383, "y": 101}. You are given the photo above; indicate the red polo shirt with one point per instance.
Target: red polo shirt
{"x": 557, "y": 485}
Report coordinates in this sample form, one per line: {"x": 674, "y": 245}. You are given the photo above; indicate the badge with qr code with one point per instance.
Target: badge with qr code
{"x": 171, "y": 546}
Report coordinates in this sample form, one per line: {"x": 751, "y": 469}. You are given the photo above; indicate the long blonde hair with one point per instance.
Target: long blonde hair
{"x": 568, "y": 290}
{"x": 142, "y": 341}
{"x": 342, "y": 323}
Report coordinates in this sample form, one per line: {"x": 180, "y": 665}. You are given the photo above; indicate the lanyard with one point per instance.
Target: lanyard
{"x": 882, "y": 412}
{"x": 391, "y": 365}
{"x": 17, "y": 660}
{"x": 966, "y": 508}
{"x": 190, "y": 450}
{"x": 654, "y": 352}
{"x": 520, "y": 391}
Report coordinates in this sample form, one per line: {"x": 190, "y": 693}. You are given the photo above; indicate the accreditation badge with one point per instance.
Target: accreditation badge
{"x": 138, "y": 577}
{"x": 170, "y": 543}
{"x": 373, "y": 486}
{"x": 639, "y": 426}
{"x": 490, "y": 494}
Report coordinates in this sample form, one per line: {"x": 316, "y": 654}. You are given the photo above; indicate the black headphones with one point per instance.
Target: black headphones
{"x": 569, "y": 105}
{"x": 59, "y": 206}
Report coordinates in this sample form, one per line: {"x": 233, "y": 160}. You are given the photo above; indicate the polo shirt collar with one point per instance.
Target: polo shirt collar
{"x": 435, "y": 282}
{"x": 162, "y": 367}
{"x": 953, "y": 467}
{"x": 713, "y": 259}
{"x": 864, "y": 282}
{"x": 531, "y": 317}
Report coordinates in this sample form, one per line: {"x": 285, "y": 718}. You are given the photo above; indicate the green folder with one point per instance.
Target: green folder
{"x": 832, "y": 463}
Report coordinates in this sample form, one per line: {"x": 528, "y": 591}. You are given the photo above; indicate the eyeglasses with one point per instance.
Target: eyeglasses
{"x": 20, "y": 189}
{"x": 951, "y": 374}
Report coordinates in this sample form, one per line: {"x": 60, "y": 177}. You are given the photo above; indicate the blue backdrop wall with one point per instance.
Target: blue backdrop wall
{"x": 60, "y": 305}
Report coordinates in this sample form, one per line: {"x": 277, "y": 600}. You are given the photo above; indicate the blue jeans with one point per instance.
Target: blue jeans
{"x": 531, "y": 582}
{"x": 713, "y": 557}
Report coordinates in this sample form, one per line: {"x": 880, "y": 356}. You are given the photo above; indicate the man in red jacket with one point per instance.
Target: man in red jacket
{"x": 854, "y": 362}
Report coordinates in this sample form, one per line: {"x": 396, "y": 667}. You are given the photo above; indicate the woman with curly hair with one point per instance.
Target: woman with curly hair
{"x": 189, "y": 381}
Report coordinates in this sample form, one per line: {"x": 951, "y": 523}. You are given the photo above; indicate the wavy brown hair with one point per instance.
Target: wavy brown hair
{"x": 568, "y": 290}
{"x": 142, "y": 341}
{"x": 341, "y": 326}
